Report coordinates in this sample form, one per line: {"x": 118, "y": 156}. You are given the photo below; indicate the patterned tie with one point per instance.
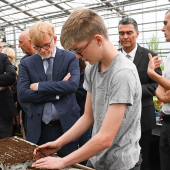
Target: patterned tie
{"x": 128, "y": 56}
{"x": 47, "y": 112}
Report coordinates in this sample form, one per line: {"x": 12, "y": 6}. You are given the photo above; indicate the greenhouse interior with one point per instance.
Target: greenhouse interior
{"x": 17, "y": 16}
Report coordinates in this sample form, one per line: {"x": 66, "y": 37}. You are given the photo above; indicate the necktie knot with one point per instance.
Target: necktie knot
{"x": 128, "y": 56}
{"x": 49, "y": 60}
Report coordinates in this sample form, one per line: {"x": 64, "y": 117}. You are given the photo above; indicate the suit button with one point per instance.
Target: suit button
{"x": 38, "y": 114}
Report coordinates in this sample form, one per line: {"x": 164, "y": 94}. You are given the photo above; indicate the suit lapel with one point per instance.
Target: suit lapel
{"x": 57, "y": 62}
{"x": 38, "y": 63}
{"x": 138, "y": 55}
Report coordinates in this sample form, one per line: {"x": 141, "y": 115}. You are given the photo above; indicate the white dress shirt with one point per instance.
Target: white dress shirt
{"x": 132, "y": 53}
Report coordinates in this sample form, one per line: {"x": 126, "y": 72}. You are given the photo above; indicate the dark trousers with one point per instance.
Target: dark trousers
{"x": 6, "y": 127}
{"x": 51, "y": 133}
{"x": 85, "y": 137}
{"x": 164, "y": 146}
{"x": 144, "y": 144}
{"x": 136, "y": 168}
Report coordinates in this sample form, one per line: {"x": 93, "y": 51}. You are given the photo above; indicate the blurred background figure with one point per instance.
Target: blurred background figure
{"x": 27, "y": 47}
{"x": 7, "y": 105}
{"x": 81, "y": 99}
{"x": 0, "y": 47}
{"x": 16, "y": 120}
{"x": 10, "y": 53}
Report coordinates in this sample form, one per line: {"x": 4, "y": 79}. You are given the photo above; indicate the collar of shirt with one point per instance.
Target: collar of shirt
{"x": 45, "y": 62}
{"x": 132, "y": 53}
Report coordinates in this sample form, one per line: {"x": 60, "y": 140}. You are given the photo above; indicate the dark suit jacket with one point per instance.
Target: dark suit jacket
{"x": 7, "y": 104}
{"x": 81, "y": 94}
{"x": 141, "y": 60}
{"x": 22, "y": 106}
{"x": 32, "y": 71}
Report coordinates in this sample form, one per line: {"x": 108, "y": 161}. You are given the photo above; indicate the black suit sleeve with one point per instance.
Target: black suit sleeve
{"x": 8, "y": 74}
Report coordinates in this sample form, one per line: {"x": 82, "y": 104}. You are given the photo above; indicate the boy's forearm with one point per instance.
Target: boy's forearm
{"x": 90, "y": 149}
{"x": 165, "y": 83}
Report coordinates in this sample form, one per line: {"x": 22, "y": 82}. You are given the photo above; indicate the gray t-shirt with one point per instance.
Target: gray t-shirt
{"x": 118, "y": 84}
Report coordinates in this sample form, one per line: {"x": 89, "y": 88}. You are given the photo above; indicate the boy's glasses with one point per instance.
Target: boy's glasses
{"x": 80, "y": 53}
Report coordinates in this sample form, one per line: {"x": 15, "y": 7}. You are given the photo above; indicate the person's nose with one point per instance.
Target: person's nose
{"x": 19, "y": 45}
{"x": 125, "y": 36}
{"x": 163, "y": 29}
{"x": 42, "y": 50}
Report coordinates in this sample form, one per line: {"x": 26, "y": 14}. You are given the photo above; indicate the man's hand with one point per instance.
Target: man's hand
{"x": 154, "y": 63}
{"x": 33, "y": 86}
{"x": 3, "y": 88}
{"x": 45, "y": 150}
{"x": 67, "y": 77}
{"x": 49, "y": 163}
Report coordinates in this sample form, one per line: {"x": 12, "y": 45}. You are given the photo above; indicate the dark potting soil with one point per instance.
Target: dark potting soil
{"x": 14, "y": 151}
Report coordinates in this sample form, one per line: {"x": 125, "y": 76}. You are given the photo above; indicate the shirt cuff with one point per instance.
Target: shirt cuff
{"x": 37, "y": 86}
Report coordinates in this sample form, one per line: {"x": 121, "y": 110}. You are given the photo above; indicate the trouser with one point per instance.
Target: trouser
{"x": 144, "y": 144}
{"x": 83, "y": 139}
{"x": 136, "y": 168}
{"x": 164, "y": 146}
{"x": 51, "y": 133}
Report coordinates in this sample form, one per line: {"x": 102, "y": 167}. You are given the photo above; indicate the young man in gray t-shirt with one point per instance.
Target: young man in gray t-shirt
{"x": 113, "y": 104}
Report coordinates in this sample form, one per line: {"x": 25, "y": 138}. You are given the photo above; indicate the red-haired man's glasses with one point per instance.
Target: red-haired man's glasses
{"x": 45, "y": 46}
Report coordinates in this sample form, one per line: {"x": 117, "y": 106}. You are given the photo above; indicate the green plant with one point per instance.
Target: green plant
{"x": 157, "y": 103}
{"x": 153, "y": 45}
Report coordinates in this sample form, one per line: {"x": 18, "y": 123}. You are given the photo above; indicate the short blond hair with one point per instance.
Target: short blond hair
{"x": 81, "y": 26}
{"x": 40, "y": 30}
{"x": 10, "y": 53}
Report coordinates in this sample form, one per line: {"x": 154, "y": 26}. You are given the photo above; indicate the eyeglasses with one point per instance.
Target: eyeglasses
{"x": 80, "y": 53}
{"x": 45, "y": 46}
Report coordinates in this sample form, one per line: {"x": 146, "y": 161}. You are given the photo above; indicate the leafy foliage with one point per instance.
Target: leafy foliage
{"x": 153, "y": 45}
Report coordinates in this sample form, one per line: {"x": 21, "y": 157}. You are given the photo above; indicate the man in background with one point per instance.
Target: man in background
{"x": 128, "y": 34}
{"x": 7, "y": 104}
{"x": 163, "y": 94}
{"x": 26, "y": 44}
{"x": 27, "y": 47}
{"x": 53, "y": 108}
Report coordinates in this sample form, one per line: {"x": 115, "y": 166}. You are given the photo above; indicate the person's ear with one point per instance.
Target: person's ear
{"x": 55, "y": 39}
{"x": 30, "y": 41}
{"x": 137, "y": 33}
{"x": 99, "y": 39}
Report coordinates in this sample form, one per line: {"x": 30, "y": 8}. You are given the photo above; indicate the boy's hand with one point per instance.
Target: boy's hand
{"x": 49, "y": 163}
{"x": 45, "y": 150}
